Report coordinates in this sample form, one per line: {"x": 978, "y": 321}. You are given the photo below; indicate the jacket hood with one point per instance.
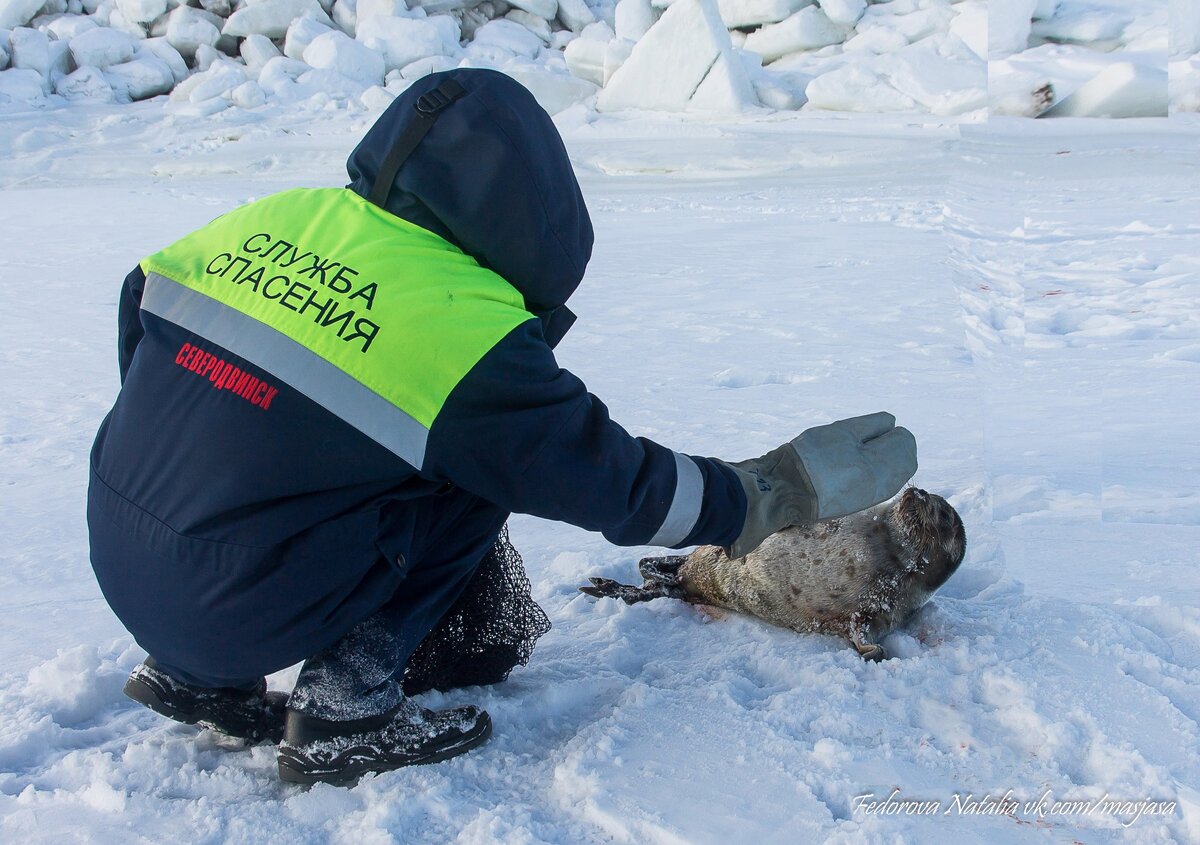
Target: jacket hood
{"x": 492, "y": 177}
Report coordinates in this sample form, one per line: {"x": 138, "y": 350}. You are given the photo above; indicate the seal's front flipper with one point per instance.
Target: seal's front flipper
{"x": 873, "y": 652}
{"x": 864, "y": 643}
{"x": 607, "y": 588}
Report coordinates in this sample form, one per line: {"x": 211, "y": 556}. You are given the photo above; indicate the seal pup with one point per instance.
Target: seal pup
{"x": 858, "y": 577}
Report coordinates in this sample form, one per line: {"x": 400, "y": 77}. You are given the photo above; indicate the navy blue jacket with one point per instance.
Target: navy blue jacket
{"x": 233, "y": 542}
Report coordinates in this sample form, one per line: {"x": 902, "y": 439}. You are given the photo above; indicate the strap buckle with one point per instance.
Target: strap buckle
{"x": 432, "y": 102}
{"x": 428, "y": 106}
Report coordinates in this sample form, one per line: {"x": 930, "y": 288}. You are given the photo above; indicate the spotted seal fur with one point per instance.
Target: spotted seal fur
{"x": 858, "y": 577}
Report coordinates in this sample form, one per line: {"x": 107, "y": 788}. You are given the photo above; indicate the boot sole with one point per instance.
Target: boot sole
{"x": 359, "y": 762}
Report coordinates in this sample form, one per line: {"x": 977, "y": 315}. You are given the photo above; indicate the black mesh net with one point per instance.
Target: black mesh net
{"x": 490, "y": 629}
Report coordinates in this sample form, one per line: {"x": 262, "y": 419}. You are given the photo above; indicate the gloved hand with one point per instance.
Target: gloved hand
{"x": 828, "y": 471}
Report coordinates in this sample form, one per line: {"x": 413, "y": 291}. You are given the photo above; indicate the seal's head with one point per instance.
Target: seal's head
{"x": 930, "y": 534}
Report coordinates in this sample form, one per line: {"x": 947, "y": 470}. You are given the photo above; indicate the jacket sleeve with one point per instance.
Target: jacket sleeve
{"x": 129, "y": 319}
{"x": 526, "y": 435}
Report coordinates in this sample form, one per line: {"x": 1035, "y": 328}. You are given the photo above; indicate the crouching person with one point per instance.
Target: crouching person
{"x": 331, "y": 401}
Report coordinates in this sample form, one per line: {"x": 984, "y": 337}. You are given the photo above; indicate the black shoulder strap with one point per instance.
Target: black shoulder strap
{"x": 429, "y": 106}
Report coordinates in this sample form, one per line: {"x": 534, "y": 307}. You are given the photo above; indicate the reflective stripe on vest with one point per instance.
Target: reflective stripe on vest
{"x": 373, "y": 318}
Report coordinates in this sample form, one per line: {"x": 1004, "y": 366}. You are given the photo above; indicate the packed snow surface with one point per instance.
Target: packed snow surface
{"x": 1022, "y": 295}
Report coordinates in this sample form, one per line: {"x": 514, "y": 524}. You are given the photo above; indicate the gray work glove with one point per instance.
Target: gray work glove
{"x": 828, "y": 471}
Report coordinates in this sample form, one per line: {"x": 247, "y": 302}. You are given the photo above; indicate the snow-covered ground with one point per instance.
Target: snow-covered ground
{"x": 1022, "y": 295}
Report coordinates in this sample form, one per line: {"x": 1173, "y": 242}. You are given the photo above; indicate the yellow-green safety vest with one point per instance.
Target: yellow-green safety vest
{"x": 372, "y": 317}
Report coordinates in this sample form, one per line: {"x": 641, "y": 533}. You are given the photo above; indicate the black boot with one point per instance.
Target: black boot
{"x": 319, "y": 750}
{"x": 255, "y": 715}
